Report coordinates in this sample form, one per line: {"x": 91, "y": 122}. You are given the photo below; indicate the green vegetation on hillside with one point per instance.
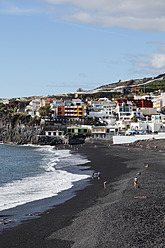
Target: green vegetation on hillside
{"x": 153, "y": 86}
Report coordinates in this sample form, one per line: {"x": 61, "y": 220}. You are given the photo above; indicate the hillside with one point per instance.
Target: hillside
{"x": 150, "y": 84}
{"x": 124, "y": 86}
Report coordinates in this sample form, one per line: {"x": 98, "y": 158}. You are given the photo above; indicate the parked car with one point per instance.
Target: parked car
{"x": 130, "y": 132}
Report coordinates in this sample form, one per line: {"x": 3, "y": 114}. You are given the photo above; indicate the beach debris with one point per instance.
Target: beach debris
{"x": 140, "y": 197}
{"x": 35, "y": 214}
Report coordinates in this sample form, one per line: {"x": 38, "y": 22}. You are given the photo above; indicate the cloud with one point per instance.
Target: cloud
{"x": 11, "y": 8}
{"x": 153, "y": 63}
{"x": 17, "y": 11}
{"x": 139, "y": 15}
{"x": 158, "y": 61}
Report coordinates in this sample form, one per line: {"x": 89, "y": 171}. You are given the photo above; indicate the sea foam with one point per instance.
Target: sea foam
{"x": 56, "y": 171}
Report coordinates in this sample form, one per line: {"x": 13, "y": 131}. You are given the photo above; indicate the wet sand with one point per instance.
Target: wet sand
{"x": 113, "y": 217}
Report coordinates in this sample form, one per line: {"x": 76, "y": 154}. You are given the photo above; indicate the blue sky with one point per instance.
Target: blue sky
{"x": 55, "y": 46}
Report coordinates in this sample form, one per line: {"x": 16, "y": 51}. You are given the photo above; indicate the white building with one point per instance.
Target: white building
{"x": 102, "y": 103}
{"x": 104, "y": 115}
{"x": 155, "y": 125}
{"x": 104, "y": 110}
{"x": 33, "y": 107}
{"x": 159, "y": 102}
{"x": 125, "y": 111}
{"x": 149, "y": 97}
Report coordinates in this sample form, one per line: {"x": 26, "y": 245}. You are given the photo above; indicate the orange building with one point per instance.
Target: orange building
{"x": 47, "y": 101}
{"x": 60, "y": 111}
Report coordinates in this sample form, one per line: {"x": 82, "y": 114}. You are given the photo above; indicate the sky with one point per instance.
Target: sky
{"x": 48, "y": 47}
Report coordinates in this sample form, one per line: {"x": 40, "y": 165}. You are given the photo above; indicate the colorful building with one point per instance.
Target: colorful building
{"x": 69, "y": 109}
{"x": 140, "y": 103}
{"x": 103, "y": 132}
{"x": 47, "y": 101}
{"x": 77, "y": 131}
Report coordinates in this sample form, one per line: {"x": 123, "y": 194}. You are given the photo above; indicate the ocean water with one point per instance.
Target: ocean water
{"x": 32, "y": 173}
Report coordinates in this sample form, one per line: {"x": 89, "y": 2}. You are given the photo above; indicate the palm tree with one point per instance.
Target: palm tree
{"x": 134, "y": 119}
{"x": 45, "y": 111}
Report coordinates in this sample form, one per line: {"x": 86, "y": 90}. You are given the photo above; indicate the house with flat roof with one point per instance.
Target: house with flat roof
{"x": 104, "y": 132}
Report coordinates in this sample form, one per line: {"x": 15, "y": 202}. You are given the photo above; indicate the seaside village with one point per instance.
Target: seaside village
{"x": 123, "y": 119}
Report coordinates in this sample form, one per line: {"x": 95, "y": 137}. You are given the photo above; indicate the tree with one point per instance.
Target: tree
{"x": 45, "y": 111}
{"x": 49, "y": 112}
{"x": 134, "y": 119}
{"x": 80, "y": 90}
{"x": 42, "y": 112}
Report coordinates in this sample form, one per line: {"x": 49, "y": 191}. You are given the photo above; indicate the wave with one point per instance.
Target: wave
{"x": 58, "y": 172}
{"x": 35, "y": 188}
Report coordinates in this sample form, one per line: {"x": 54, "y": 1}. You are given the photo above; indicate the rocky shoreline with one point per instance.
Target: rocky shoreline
{"x": 23, "y": 129}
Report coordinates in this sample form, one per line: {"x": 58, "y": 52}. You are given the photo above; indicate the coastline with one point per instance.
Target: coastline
{"x": 98, "y": 217}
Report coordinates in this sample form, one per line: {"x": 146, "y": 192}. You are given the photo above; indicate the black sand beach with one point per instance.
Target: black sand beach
{"x": 118, "y": 216}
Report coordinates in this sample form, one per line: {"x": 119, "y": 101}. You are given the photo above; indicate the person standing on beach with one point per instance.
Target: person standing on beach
{"x": 105, "y": 184}
{"x": 93, "y": 174}
{"x": 135, "y": 182}
{"x": 98, "y": 175}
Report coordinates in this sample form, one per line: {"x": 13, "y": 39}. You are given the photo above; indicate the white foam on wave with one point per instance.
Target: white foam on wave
{"x": 53, "y": 179}
{"x": 31, "y": 189}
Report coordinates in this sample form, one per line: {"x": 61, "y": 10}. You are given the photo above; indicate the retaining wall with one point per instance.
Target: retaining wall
{"x": 129, "y": 139}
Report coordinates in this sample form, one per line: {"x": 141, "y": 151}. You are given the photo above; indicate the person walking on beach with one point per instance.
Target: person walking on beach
{"x": 135, "y": 182}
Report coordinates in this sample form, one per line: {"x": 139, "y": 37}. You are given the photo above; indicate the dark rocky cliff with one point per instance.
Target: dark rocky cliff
{"x": 23, "y": 129}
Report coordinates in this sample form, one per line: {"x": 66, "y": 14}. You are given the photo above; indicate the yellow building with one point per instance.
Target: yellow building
{"x": 78, "y": 111}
